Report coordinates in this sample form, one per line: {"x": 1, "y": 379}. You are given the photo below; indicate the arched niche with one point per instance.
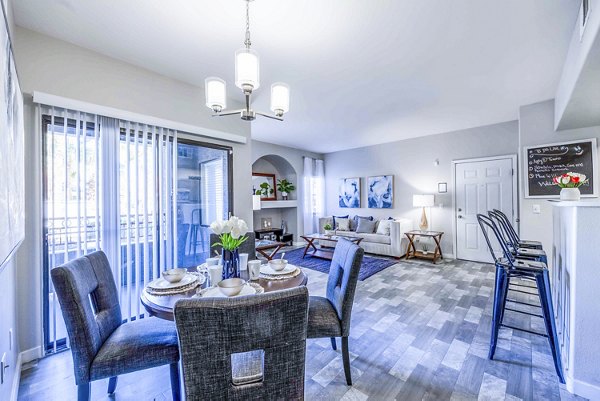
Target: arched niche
{"x": 275, "y": 164}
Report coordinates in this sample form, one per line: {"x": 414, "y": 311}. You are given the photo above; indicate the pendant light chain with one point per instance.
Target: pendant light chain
{"x": 247, "y": 42}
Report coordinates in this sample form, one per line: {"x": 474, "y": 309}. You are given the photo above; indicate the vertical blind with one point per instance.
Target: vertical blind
{"x": 134, "y": 221}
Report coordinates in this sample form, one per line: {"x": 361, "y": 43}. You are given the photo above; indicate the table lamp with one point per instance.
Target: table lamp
{"x": 423, "y": 201}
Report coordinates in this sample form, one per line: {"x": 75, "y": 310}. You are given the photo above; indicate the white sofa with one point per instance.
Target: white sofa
{"x": 394, "y": 244}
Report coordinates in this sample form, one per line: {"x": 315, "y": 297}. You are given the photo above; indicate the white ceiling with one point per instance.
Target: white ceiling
{"x": 361, "y": 72}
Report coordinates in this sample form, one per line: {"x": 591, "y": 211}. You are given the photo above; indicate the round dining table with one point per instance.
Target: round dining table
{"x": 162, "y": 306}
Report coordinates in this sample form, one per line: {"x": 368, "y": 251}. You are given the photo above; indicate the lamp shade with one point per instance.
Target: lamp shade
{"x": 423, "y": 200}
{"x": 256, "y": 205}
{"x": 215, "y": 93}
{"x": 280, "y": 98}
{"x": 247, "y": 69}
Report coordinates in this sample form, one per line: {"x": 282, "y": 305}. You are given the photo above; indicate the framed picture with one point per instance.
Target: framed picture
{"x": 381, "y": 191}
{"x": 544, "y": 162}
{"x": 349, "y": 193}
{"x": 442, "y": 187}
{"x": 263, "y": 184}
{"x": 12, "y": 152}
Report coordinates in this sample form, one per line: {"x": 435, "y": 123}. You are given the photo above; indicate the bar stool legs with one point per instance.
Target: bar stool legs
{"x": 543, "y": 284}
{"x": 542, "y": 280}
{"x": 500, "y": 291}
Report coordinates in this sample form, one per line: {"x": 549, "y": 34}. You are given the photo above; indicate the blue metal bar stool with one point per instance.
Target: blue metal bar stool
{"x": 510, "y": 267}
{"x": 504, "y": 229}
{"x": 513, "y": 233}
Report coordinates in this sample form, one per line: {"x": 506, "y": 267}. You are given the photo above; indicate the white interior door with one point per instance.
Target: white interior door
{"x": 481, "y": 186}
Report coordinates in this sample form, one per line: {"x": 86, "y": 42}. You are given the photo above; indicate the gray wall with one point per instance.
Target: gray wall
{"x": 411, "y": 162}
{"x": 8, "y": 304}
{"x": 536, "y": 126}
{"x": 59, "y": 68}
{"x": 295, "y": 159}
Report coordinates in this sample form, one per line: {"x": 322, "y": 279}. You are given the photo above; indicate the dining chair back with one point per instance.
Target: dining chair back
{"x": 330, "y": 316}
{"x": 248, "y": 246}
{"x": 244, "y": 348}
{"x": 102, "y": 345}
{"x": 342, "y": 280}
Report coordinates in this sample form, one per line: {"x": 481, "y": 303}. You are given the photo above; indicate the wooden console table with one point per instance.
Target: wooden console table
{"x": 412, "y": 252}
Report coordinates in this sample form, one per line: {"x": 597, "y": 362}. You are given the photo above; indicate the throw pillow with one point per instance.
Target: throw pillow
{"x": 343, "y": 224}
{"x": 384, "y": 227}
{"x": 355, "y": 219}
{"x": 365, "y": 226}
{"x": 338, "y": 217}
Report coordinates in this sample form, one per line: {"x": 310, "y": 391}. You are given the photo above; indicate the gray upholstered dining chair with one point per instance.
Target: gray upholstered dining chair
{"x": 243, "y": 348}
{"x": 248, "y": 246}
{"x": 101, "y": 344}
{"x": 330, "y": 316}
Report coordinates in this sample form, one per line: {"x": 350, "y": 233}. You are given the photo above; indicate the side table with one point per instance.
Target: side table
{"x": 412, "y": 252}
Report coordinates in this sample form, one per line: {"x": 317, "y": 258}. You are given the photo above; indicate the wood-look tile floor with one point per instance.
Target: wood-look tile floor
{"x": 419, "y": 332}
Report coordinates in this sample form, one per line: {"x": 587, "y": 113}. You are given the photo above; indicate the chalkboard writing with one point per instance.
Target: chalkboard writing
{"x": 548, "y": 161}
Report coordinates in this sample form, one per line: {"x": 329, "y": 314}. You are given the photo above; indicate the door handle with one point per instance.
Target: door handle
{"x": 459, "y": 216}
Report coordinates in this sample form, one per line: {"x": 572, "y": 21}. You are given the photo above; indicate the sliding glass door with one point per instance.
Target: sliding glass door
{"x": 131, "y": 190}
{"x": 203, "y": 195}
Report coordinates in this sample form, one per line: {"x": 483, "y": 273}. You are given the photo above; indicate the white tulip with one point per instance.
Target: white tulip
{"x": 226, "y": 227}
{"x": 217, "y": 227}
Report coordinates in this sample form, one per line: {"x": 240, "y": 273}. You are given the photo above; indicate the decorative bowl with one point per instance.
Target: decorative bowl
{"x": 231, "y": 287}
{"x": 278, "y": 264}
{"x": 174, "y": 275}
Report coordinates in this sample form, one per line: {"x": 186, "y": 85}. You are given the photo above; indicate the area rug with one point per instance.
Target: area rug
{"x": 369, "y": 265}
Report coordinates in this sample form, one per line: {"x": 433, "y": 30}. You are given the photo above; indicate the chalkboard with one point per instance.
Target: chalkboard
{"x": 548, "y": 161}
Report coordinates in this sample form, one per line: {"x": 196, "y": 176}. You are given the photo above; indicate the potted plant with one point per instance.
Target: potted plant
{"x": 285, "y": 187}
{"x": 265, "y": 190}
{"x": 569, "y": 184}
{"x": 328, "y": 229}
{"x": 231, "y": 236}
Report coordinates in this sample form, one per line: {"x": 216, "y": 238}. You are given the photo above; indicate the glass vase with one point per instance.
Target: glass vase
{"x": 231, "y": 263}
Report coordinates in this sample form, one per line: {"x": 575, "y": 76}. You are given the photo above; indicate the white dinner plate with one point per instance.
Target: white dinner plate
{"x": 214, "y": 292}
{"x": 266, "y": 269}
{"x": 162, "y": 284}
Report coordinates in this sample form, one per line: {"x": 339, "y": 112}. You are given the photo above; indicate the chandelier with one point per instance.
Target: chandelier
{"x": 247, "y": 79}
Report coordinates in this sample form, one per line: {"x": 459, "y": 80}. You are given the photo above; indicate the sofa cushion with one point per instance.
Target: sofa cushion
{"x": 343, "y": 224}
{"x": 376, "y": 238}
{"x": 355, "y": 219}
{"x": 384, "y": 227}
{"x": 366, "y": 226}
{"x": 338, "y": 217}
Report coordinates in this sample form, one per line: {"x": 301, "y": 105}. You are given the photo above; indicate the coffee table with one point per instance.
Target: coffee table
{"x": 321, "y": 252}
{"x": 268, "y": 248}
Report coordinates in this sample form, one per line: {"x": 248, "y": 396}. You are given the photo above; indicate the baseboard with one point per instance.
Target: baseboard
{"x": 583, "y": 389}
{"x": 16, "y": 379}
{"x": 31, "y": 354}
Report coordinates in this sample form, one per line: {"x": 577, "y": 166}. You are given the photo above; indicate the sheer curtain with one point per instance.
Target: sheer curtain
{"x": 314, "y": 194}
{"x": 110, "y": 185}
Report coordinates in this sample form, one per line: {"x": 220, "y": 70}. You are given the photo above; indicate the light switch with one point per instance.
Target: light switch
{"x": 536, "y": 209}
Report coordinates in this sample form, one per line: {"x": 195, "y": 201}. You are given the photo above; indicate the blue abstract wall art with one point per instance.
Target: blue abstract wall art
{"x": 380, "y": 191}
{"x": 349, "y": 193}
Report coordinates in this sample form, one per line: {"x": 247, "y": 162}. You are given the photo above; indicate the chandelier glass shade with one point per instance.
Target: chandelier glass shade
{"x": 216, "y": 97}
{"x": 247, "y": 78}
{"x": 247, "y": 70}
